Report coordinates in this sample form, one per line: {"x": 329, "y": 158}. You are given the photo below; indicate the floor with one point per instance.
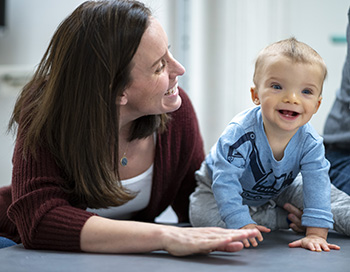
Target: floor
{"x": 273, "y": 254}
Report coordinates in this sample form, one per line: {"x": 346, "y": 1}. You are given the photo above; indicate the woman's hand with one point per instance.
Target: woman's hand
{"x": 294, "y": 217}
{"x": 187, "y": 241}
{"x": 252, "y": 240}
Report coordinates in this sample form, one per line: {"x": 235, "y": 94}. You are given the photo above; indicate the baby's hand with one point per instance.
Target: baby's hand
{"x": 314, "y": 243}
{"x": 252, "y": 240}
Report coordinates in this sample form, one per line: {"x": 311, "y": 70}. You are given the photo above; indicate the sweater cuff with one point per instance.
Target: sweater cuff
{"x": 317, "y": 218}
{"x": 238, "y": 220}
{"x": 65, "y": 235}
{"x": 59, "y": 229}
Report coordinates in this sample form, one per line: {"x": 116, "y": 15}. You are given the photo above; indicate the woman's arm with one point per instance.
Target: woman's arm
{"x": 46, "y": 220}
{"x": 113, "y": 236}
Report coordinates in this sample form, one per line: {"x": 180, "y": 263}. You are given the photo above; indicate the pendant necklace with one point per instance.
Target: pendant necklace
{"x": 124, "y": 159}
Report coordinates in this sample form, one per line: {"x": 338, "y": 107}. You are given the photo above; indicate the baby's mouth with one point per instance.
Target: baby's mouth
{"x": 288, "y": 113}
{"x": 173, "y": 90}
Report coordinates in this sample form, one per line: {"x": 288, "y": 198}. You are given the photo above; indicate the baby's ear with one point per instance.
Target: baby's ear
{"x": 318, "y": 104}
{"x": 254, "y": 95}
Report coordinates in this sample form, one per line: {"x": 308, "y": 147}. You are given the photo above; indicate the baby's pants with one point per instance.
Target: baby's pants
{"x": 204, "y": 211}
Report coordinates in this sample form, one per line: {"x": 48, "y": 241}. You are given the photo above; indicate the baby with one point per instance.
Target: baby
{"x": 264, "y": 148}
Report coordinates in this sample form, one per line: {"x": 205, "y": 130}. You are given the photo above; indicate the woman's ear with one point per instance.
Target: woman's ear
{"x": 122, "y": 100}
{"x": 254, "y": 95}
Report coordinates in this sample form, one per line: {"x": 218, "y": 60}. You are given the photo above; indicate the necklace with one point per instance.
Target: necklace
{"x": 124, "y": 160}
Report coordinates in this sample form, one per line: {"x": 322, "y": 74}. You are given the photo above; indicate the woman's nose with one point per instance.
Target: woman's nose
{"x": 175, "y": 68}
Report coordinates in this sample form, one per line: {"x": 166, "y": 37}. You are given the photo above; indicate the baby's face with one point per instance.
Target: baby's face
{"x": 289, "y": 93}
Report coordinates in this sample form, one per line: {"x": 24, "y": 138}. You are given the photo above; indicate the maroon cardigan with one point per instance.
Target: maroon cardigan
{"x": 37, "y": 212}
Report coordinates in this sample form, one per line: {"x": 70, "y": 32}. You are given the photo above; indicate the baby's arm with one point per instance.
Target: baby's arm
{"x": 315, "y": 240}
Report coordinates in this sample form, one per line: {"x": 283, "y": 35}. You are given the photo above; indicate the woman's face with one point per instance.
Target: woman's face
{"x": 153, "y": 88}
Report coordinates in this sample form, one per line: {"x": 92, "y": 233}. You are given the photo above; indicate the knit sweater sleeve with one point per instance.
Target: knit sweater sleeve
{"x": 179, "y": 153}
{"x": 41, "y": 210}
{"x": 316, "y": 185}
{"x": 190, "y": 156}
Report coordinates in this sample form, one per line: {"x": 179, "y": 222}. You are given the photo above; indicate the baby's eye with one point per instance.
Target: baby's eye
{"x": 307, "y": 91}
{"x": 276, "y": 86}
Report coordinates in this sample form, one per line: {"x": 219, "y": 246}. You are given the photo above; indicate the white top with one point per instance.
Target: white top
{"x": 142, "y": 185}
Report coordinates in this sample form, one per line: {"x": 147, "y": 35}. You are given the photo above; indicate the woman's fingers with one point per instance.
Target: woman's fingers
{"x": 231, "y": 247}
{"x": 293, "y": 210}
{"x": 294, "y": 217}
{"x": 226, "y": 240}
{"x": 187, "y": 241}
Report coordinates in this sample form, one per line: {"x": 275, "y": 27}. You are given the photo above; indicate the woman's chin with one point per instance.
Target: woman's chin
{"x": 174, "y": 105}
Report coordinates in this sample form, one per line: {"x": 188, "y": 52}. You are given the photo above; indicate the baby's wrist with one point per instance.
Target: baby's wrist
{"x": 319, "y": 232}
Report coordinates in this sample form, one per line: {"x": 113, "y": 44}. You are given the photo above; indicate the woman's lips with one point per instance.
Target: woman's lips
{"x": 173, "y": 90}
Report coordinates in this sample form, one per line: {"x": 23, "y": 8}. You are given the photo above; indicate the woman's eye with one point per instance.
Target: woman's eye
{"x": 161, "y": 66}
{"x": 276, "y": 86}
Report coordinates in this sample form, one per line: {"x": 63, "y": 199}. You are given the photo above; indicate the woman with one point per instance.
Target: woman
{"x": 103, "y": 123}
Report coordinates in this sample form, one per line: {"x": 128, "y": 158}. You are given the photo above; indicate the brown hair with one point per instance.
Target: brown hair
{"x": 293, "y": 49}
{"x": 70, "y": 103}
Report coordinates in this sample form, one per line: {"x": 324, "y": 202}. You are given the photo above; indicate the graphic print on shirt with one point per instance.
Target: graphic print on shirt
{"x": 267, "y": 185}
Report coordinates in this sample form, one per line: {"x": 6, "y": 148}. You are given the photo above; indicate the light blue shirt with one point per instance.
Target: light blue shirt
{"x": 245, "y": 172}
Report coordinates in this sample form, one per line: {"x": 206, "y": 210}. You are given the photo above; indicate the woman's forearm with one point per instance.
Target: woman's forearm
{"x": 114, "y": 236}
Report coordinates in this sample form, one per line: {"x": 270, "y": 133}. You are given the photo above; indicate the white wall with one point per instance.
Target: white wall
{"x": 227, "y": 37}
{"x": 216, "y": 40}
{"x": 30, "y": 25}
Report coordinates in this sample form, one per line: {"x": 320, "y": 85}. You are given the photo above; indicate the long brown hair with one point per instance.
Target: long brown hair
{"x": 70, "y": 107}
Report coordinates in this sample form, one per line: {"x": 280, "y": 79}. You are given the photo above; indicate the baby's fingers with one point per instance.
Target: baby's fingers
{"x": 317, "y": 247}
{"x": 333, "y": 246}
{"x": 246, "y": 243}
{"x": 307, "y": 245}
{"x": 253, "y": 241}
{"x": 295, "y": 244}
{"x": 322, "y": 247}
{"x": 313, "y": 246}
{"x": 262, "y": 229}
{"x": 250, "y": 241}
